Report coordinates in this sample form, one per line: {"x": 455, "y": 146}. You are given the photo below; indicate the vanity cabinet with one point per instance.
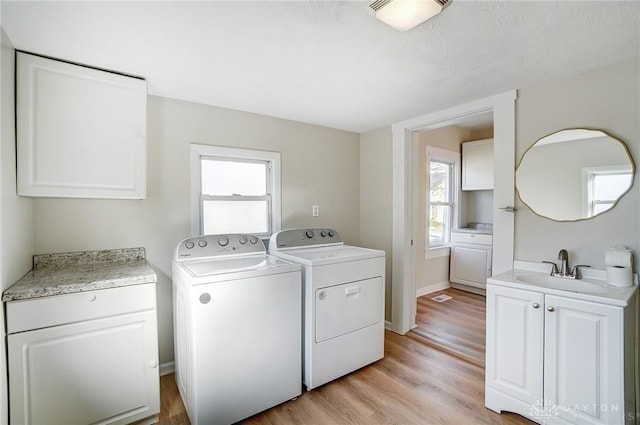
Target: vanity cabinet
{"x": 81, "y": 132}
{"x": 556, "y": 359}
{"x": 89, "y": 357}
{"x": 477, "y": 165}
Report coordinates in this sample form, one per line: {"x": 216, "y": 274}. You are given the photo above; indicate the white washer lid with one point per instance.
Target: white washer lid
{"x": 329, "y": 255}
{"x": 211, "y": 267}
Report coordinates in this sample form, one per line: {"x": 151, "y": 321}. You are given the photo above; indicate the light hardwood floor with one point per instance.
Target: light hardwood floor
{"x": 417, "y": 382}
{"x": 458, "y": 323}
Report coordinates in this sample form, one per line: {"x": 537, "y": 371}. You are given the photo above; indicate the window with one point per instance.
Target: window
{"x": 235, "y": 191}
{"x": 441, "y": 196}
{"x": 604, "y": 185}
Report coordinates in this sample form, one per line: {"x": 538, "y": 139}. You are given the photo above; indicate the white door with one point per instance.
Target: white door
{"x": 95, "y": 372}
{"x": 470, "y": 265}
{"x": 584, "y": 361}
{"x": 345, "y": 308}
{"x": 514, "y": 346}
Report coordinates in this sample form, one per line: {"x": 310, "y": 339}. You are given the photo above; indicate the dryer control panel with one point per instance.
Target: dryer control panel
{"x": 298, "y": 238}
{"x": 219, "y": 245}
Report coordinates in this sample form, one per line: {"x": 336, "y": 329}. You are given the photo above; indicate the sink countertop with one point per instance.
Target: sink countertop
{"x": 607, "y": 294}
{"x": 66, "y": 273}
{"x": 480, "y": 228}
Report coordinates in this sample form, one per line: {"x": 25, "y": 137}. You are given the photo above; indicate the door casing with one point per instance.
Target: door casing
{"x": 403, "y": 306}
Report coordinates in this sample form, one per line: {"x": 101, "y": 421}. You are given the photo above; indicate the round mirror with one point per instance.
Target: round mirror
{"x": 574, "y": 174}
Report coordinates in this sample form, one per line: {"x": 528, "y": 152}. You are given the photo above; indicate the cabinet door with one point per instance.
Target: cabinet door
{"x": 81, "y": 132}
{"x": 477, "y": 165}
{"x": 515, "y": 322}
{"x": 95, "y": 372}
{"x": 584, "y": 361}
{"x": 470, "y": 265}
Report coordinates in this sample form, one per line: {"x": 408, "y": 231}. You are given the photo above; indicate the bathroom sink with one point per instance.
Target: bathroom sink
{"x": 584, "y": 286}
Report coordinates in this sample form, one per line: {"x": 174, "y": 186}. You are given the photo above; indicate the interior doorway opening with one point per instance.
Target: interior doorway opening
{"x": 405, "y": 136}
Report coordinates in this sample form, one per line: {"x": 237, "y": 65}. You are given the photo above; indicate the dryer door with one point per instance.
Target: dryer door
{"x": 348, "y": 307}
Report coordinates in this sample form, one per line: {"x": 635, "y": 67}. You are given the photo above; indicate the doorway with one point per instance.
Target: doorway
{"x": 452, "y": 318}
{"x": 404, "y": 195}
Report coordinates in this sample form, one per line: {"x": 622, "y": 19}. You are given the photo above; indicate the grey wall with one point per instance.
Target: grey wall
{"x": 16, "y": 233}
{"x": 606, "y": 99}
{"x": 375, "y": 198}
{"x": 319, "y": 167}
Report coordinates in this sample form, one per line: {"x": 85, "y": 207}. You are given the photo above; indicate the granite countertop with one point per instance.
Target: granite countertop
{"x": 480, "y": 228}
{"x": 67, "y": 273}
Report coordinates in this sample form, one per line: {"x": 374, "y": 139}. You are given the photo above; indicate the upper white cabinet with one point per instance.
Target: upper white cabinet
{"x": 81, "y": 132}
{"x": 477, "y": 165}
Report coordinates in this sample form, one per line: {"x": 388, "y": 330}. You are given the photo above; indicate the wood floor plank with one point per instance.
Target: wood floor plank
{"x": 415, "y": 383}
{"x": 458, "y": 323}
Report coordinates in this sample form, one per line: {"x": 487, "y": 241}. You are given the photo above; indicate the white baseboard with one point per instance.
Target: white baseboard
{"x": 167, "y": 368}
{"x": 432, "y": 288}
{"x": 387, "y": 325}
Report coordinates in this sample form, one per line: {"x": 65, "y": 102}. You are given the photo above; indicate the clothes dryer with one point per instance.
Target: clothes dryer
{"x": 237, "y": 328}
{"x": 343, "y": 307}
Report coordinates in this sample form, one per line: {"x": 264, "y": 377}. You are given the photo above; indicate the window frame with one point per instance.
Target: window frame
{"x": 452, "y": 158}
{"x": 588, "y": 175}
{"x": 200, "y": 152}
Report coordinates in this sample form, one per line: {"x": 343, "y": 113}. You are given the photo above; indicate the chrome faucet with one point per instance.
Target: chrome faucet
{"x": 565, "y": 271}
{"x": 563, "y": 256}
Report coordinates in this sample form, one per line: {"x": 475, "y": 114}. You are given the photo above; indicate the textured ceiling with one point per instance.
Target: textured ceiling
{"x": 329, "y": 62}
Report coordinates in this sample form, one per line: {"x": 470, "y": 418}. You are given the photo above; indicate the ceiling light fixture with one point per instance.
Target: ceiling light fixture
{"x": 406, "y": 14}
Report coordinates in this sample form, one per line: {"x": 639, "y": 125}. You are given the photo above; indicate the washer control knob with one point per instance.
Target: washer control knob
{"x": 223, "y": 241}
{"x": 253, "y": 240}
{"x": 243, "y": 240}
{"x": 331, "y": 233}
{"x": 202, "y": 243}
{"x": 309, "y": 234}
{"x": 323, "y": 234}
{"x": 189, "y": 244}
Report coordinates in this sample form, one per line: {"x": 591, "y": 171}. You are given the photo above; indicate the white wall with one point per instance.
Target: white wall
{"x": 16, "y": 234}
{"x": 375, "y": 198}
{"x": 319, "y": 167}
{"x": 606, "y": 99}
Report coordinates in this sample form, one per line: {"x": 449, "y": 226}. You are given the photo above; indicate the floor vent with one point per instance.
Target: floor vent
{"x": 441, "y": 298}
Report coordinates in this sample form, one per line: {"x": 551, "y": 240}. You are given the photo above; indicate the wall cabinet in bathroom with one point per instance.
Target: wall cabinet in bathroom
{"x": 81, "y": 132}
{"x": 559, "y": 360}
{"x": 477, "y": 165}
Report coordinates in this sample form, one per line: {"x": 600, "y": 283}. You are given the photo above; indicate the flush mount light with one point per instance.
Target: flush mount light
{"x": 406, "y": 14}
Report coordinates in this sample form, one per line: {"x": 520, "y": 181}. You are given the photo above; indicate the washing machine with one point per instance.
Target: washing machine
{"x": 343, "y": 307}
{"x": 237, "y": 328}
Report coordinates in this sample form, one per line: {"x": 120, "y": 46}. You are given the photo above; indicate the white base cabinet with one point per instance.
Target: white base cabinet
{"x": 101, "y": 370}
{"x": 559, "y": 360}
{"x": 470, "y": 259}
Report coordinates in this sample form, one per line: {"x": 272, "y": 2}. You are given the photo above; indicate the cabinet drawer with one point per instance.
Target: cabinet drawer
{"x": 60, "y": 309}
{"x": 471, "y": 238}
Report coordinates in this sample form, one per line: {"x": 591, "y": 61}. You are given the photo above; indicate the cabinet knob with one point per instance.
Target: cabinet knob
{"x": 551, "y": 308}
{"x": 91, "y": 298}
{"x": 535, "y": 305}
{"x": 153, "y": 364}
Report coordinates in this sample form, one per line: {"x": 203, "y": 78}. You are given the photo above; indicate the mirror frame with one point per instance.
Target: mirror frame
{"x": 626, "y": 150}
